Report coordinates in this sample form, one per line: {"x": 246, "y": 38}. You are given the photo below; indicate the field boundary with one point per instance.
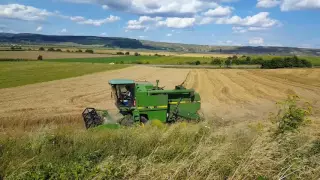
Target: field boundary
{"x": 201, "y": 66}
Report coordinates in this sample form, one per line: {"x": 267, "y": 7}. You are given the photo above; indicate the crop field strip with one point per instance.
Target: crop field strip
{"x": 14, "y": 74}
{"x": 229, "y": 94}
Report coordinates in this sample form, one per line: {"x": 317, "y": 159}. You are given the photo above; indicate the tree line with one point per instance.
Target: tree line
{"x": 59, "y": 50}
{"x": 277, "y": 62}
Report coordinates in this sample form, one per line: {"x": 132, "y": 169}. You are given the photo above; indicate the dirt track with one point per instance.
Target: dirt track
{"x": 228, "y": 94}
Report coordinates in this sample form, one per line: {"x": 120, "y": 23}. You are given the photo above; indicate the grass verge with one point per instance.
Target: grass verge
{"x": 179, "y": 151}
{"x": 14, "y": 74}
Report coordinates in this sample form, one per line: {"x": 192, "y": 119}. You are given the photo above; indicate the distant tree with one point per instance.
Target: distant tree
{"x": 89, "y": 51}
{"x": 136, "y": 54}
{"x": 216, "y": 61}
{"x": 248, "y": 59}
{"x": 127, "y": 53}
{"x": 258, "y": 60}
{"x": 68, "y": 50}
{"x": 79, "y": 50}
{"x": 286, "y": 62}
{"x": 59, "y": 50}
{"x": 228, "y": 62}
{"x": 120, "y": 53}
{"x": 51, "y": 49}
{"x": 237, "y": 61}
{"x": 198, "y": 62}
{"x": 41, "y": 49}
{"x": 306, "y": 63}
{"x": 40, "y": 58}
{"x": 12, "y": 48}
{"x": 29, "y": 49}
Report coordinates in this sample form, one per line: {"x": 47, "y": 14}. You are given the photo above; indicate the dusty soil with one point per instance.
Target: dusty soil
{"x": 226, "y": 94}
{"x": 46, "y": 55}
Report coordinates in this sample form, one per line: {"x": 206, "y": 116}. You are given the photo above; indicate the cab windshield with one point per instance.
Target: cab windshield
{"x": 123, "y": 94}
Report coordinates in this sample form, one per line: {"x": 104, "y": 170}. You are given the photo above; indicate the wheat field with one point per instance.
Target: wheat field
{"x": 43, "y": 136}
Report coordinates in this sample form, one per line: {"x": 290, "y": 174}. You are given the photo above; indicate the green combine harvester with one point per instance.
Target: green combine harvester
{"x": 141, "y": 102}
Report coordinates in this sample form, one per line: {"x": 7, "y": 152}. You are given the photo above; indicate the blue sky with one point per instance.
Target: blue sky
{"x": 294, "y": 23}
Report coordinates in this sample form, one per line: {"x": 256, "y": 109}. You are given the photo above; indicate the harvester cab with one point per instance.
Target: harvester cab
{"x": 141, "y": 101}
{"x": 123, "y": 92}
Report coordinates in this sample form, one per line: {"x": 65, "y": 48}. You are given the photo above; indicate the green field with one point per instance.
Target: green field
{"x": 14, "y": 74}
{"x": 137, "y": 60}
{"x": 169, "y": 60}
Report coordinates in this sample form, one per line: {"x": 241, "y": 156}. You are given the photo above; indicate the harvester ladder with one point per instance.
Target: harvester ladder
{"x": 175, "y": 111}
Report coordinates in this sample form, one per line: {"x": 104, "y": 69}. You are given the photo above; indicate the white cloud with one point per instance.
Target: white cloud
{"x": 142, "y": 23}
{"x": 146, "y": 22}
{"x": 164, "y": 8}
{"x": 95, "y": 22}
{"x": 256, "y": 41}
{"x": 169, "y": 35}
{"x": 39, "y": 28}
{"x": 259, "y": 20}
{"x": 105, "y": 7}
{"x": 256, "y": 28}
{"x": 176, "y": 22}
{"x": 267, "y": 3}
{"x": 64, "y": 30}
{"x": 29, "y": 13}
{"x": 103, "y": 34}
{"x": 219, "y": 11}
{"x": 22, "y": 12}
{"x": 205, "y": 20}
{"x": 77, "y": 18}
{"x": 238, "y": 29}
{"x": 290, "y": 5}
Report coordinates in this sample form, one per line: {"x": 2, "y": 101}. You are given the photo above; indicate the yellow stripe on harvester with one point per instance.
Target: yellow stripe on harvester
{"x": 165, "y": 106}
{"x": 153, "y": 107}
{"x": 183, "y": 102}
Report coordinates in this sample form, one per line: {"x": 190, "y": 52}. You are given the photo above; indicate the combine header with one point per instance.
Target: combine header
{"x": 140, "y": 102}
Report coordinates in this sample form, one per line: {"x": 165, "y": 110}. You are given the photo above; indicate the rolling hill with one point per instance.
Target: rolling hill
{"x": 127, "y": 43}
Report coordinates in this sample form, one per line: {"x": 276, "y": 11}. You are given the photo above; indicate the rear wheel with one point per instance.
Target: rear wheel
{"x": 143, "y": 119}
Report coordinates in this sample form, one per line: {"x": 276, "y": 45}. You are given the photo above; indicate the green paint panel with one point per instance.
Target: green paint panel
{"x": 157, "y": 115}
